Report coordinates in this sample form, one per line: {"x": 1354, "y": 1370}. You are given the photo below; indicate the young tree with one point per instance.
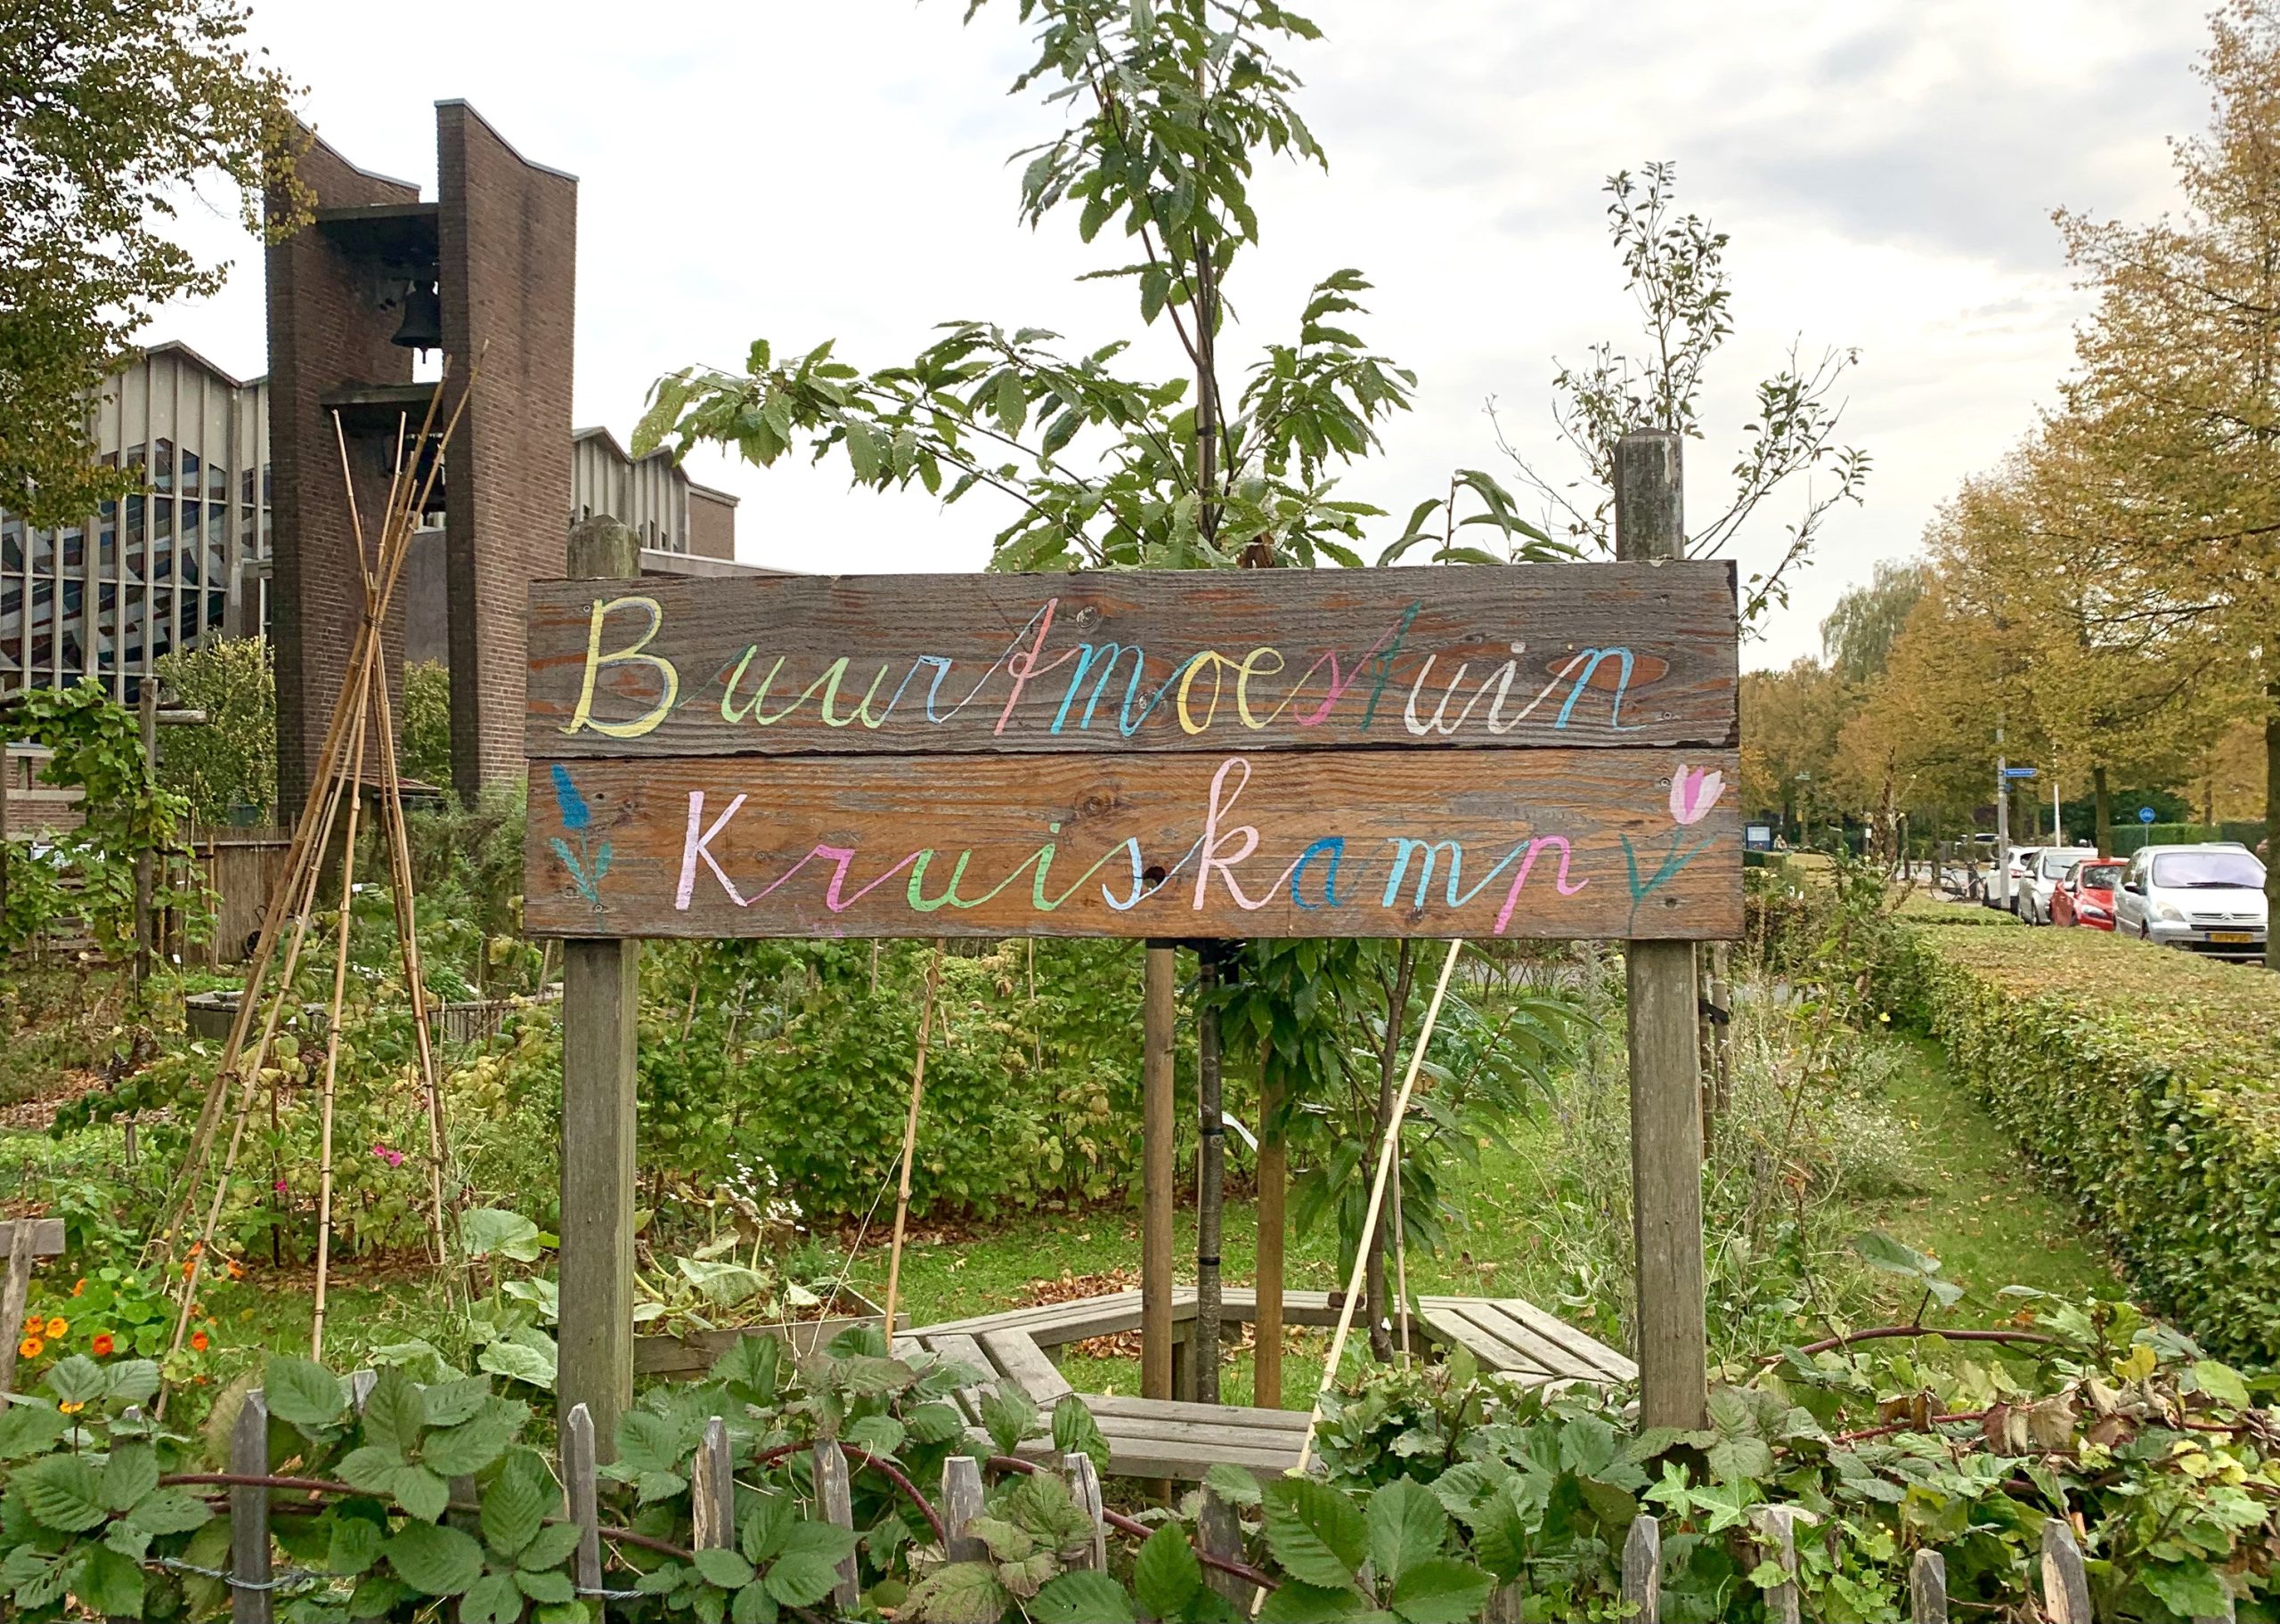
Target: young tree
{"x": 1674, "y": 267}
{"x": 108, "y": 113}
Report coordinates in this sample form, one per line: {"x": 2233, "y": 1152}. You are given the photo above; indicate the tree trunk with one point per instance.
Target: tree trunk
{"x": 1373, "y": 1278}
{"x": 2102, "y": 812}
{"x": 1212, "y": 1154}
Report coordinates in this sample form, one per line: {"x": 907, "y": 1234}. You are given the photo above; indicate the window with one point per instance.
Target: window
{"x": 2217, "y": 868}
{"x": 2099, "y": 876}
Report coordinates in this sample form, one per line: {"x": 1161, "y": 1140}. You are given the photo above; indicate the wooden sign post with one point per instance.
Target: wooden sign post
{"x": 1538, "y": 751}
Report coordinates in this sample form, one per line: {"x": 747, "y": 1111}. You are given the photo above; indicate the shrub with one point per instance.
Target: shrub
{"x": 227, "y": 769}
{"x": 424, "y": 732}
{"x": 2140, "y": 1078}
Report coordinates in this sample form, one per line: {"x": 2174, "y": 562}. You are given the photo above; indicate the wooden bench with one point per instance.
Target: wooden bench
{"x": 21, "y": 1239}
{"x": 1163, "y": 1438}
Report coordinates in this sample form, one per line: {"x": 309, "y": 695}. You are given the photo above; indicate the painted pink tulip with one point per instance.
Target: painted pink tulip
{"x": 1694, "y": 790}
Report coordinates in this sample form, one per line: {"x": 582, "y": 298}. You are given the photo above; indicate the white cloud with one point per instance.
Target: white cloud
{"x": 1886, "y": 171}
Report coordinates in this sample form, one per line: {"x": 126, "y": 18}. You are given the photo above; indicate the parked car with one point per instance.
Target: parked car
{"x": 2204, "y": 898}
{"x": 2085, "y": 896}
{"x": 2045, "y": 875}
{"x": 2022, "y": 863}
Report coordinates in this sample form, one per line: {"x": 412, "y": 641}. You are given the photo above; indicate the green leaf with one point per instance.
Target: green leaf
{"x": 475, "y": 1442}
{"x": 520, "y": 1360}
{"x": 958, "y": 1592}
{"x": 301, "y": 1393}
{"x": 1741, "y": 1460}
{"x": 547, "y": 1585}
{"x": 434, "y": 1560}
{"x": 356, "y": 1547}
{"x": 1166, "y": 1574}
{"x": 726, "y": 1569}
{"x": 1008, "y": 1416}
{"x": 1440, "y": 1590}
{"x": 1296, "y": 1602}
{"x": 550, "y": 1546}
{"x": 487, "y": 1231}
{"x": 877, "y": 1434}
{"x": 169, "y": 1511}
{"x": 35, "y": 1578}
{"x": 801, "y": 1578}
{"x": 1082, "y": 1598}
{"x": 449, "y": 1403}
{"x": 2221, "y": 1383}
{"x": 1232, "y": 1484}
{"x": 492, "y": 1599}
{"x": 515, "y": 1503}
{"x": 110, "y": 1584}
{"x": 1315, "y": 1531}
{"x": 131, "y": 1381}
{"x": 754, "y": 1606}
{"x": 420, "y": 1492}
{"x": 75, "y": 1380}
{"x": 2190, "y": 1589}
{"x": 749, "y": 1367}
{"x": 29, "y": 1428}
{"x": 370, "y": 1468}
{"x": 394, "y": 1413}
{"x": 61, "y": 1493}
{"x": 132, "y": 1473}
{"x": 1406, "y": 1525}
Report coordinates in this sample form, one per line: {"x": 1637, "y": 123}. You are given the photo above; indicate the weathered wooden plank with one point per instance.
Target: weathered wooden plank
{"x": 836, "y": 1505}
{"x": 250, "y": 1596}
{"x": 1085, "y": 1491}
{"x": 1106, "y": 1407}
{"x": 1448, "y": 1325}
{"x": 712, "y": 1490}
{"x": 962, "y": 1501}
{"x": 1536, "y": 1352}
{"x": 1588, "y": 1350}
{"x": 14, "y": 1294}
{"x": 1642, "y": 1569}
{"x": 46, "y": 1235}
{"x": 2065, "y": 1588}
{"x": 579, "y": 1494}
{"x": 1032, "y": 1317}
{"x": 1574, "y": 843}
{"x": 1020, "y": 1362}
{"x": 1928, "y": 1589}
{"x": 1202, "y": 1437}
{"x": 1135, "y": 660}
{"x": 1777, "y": 1532}
{"x": 1219, "y": 1533}
{"x": 692, "y": 1353}
{"x": 601, "y": 993}
{"x": 1155, "y": 1458}
{"x": 960, "y": 1349}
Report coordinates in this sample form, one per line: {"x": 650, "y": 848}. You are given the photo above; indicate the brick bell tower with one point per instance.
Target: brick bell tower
{"x": 488, "y": 270}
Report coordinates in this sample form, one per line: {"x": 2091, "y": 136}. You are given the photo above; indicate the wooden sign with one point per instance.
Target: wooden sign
{"x": 1524, "y": 753}
{"x": 1594, "y": 655}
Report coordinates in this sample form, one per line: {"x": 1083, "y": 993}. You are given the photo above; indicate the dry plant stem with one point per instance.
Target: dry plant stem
{"x": 1370, "y": 1213}
{"x": 910, "y": 1139}
{"x": 333, "y": 1024}
{"x": 1400, "y": 1244}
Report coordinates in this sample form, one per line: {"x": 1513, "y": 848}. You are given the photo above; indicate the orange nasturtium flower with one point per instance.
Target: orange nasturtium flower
{"x": 30, "y": 1347}
{"x": 198, "y": 1342}
{"x": 103, "y": 1346}
{"x": 57, "y": 1326}
{"x": 72, "y": 1407}
{"x": 33, "y": 1325}
{"x": 237, "y": 1269}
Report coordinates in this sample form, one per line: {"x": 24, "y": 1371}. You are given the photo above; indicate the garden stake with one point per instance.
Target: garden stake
{"x": 910, "y": 1140}
{"x": 1370, "y": 1224}
{"x": 332, "y": 1026}
{"x": 1400, "y": 1242}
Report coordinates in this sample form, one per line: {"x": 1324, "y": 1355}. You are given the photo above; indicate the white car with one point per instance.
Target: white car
{"x": 2207, "y": 899}
{"x": 2022, "y": 863}
{"x": 2045, "y": 875}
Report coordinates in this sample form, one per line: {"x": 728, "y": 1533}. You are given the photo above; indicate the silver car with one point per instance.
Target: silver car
{"x": 2045, "y": 874}
{"x": 2207, "y": 899}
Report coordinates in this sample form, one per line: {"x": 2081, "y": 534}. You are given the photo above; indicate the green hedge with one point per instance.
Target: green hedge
{"x": 2143, "y": 1079}
{"x": 2129, "y": 838}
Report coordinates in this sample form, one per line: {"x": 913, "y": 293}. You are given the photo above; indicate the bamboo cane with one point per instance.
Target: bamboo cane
{"x": 1370, "y": 1217}
{"x": 910, "y": 1139}
{"x": 337, "y": 1019}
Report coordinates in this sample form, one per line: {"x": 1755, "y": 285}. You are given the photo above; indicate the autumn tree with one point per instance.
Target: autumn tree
{"x": 109, "y": 115}
{"x": 2179, "y": 374}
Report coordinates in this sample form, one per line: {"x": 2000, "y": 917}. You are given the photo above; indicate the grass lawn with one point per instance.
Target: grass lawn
{"x": 1984, "y": 1217}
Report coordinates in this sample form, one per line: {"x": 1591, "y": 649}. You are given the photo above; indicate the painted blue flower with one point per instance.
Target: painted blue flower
{"x": 576, "y": 815}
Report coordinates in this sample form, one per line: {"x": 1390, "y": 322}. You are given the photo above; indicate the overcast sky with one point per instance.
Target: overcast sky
{"x": 836, "y": 168}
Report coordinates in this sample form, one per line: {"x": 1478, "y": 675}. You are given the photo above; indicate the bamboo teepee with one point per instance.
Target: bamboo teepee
{"x": 362, "y": 728}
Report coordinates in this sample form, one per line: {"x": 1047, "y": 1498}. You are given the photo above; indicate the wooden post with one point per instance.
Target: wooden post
{"x": 1274, "y": 1179}
{"x": 2065, "y": 1588}
{"x": 13, "y": 1296}
{"x": 1665, "y": 1054}
{"x": 578, "y": 1494}
{"x": 1220, "y": 1533}
{"x": 1211, "y": 1154}
{"x": 249, "y": 1513}
{"x": 601, "y": 988}
{"x": 1159, "y": 1017}
{"x": 961, "y": 1505}
{"x": 1928, "y": 1589}
{"x": 1084, "y": 1490}
{"x": 1642, "y": 1569}
{"x": 713, "y": 1496}
{"x": 836, "y": 1505}
{"x": 1777, "y": 1528}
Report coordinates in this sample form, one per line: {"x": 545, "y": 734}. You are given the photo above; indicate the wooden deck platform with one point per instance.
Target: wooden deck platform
{"x": 1169, "y": 1438}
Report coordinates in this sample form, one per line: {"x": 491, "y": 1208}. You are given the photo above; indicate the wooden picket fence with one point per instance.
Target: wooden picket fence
{"x": 254, "y": 1584}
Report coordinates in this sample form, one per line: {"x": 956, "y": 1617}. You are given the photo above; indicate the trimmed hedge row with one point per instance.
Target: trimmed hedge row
{"x": 2144, "y": 1080}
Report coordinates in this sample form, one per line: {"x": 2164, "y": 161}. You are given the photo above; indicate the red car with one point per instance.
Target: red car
{"x": 2085, "y": 896}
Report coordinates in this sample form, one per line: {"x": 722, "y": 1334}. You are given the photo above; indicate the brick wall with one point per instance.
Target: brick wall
{"x": 508, "y": 234}
{"x": 323, "y": 335}
{"x": 712, "y": 524}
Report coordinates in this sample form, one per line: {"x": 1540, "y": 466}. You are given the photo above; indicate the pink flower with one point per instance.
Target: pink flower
{"x": 393, "y": 1159}
{"x": 1694, "y": 790}
{"x": 279, "y": 1187}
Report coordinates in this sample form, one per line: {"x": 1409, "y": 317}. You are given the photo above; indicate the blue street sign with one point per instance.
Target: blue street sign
{"x": 2145, "y": 815}
{"x": 2018, "y": 772}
